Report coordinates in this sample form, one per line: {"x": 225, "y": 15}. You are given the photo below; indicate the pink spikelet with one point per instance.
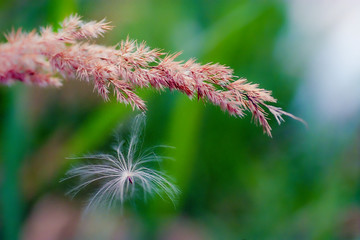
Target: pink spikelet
{"x": 41, "y": 58}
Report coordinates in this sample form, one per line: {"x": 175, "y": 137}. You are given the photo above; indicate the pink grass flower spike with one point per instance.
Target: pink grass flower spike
{"x": 36, "y": 58}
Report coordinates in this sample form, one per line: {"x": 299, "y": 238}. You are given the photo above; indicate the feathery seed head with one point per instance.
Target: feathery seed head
{"x": 36, "y": 58}
{"x": 123, "y": 174}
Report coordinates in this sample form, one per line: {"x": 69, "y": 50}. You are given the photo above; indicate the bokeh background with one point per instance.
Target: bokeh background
{"x": 236, "y": 182}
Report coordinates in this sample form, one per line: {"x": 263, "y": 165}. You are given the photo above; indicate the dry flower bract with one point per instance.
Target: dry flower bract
{"x": 37, "y": 57}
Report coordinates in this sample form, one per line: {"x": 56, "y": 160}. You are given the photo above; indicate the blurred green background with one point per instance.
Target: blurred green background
{"x": 236, "y": 182}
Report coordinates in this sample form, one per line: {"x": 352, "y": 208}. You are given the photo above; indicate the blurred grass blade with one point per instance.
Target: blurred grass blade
{"x": 13, "y": 151}
{"x": 184, "y": 127}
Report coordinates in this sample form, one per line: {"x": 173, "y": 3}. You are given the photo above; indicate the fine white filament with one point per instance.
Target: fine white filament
{"x": 122, "y": 174}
